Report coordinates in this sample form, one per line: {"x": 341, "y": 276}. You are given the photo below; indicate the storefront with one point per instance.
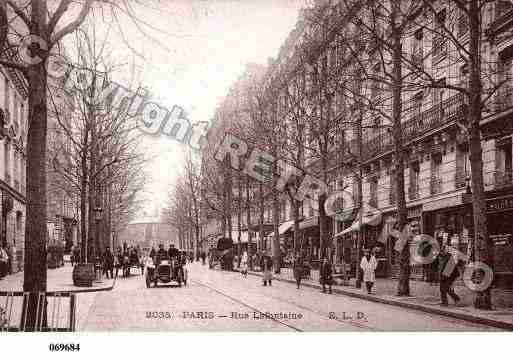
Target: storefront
{"x": 365, "y": 229}
{"x": 500, "y": 229}
{"x": 12, "y": 226}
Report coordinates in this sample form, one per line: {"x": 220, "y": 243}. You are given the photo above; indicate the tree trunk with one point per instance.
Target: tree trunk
{"x": 483, "y": 245}
{"x": 35, "y": 229}
{"x": 403, "y": 287}
{"x": 261, "y": 218}
{"x": 83, "y": 208}
{"x": 34, "y": 276}
{"x": 248, "y": 220}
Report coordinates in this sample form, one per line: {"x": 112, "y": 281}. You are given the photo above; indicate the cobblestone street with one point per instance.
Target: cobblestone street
{"x": 211, "y": 297}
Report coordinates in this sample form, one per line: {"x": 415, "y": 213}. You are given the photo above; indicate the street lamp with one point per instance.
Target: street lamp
{"x": 98, "y": 217}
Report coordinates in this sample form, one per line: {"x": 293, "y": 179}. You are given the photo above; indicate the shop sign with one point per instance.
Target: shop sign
{"x": 501, "y": 239}
{"x": 499, "y": 204}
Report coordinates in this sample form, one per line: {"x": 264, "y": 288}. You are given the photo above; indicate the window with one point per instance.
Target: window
{"x": 15, "y": 168}
{"x": 439, "y": 93}
{"x": 19, "y": 217}
{"x": 505, "y": 74}
{"x": 6, "y": 98}
{"x": 417, "y": 104}
{"x": 462, "y": 23}
{"x": 7, "y": 162}
{"x": 414, "y": 180}
{"x": 418, "y": 49}
{"x": 373, "y": 192}
{"x": 355, "y": 190}
{"x": 462, "y": 165}
{"x": 436, "y": 163}
{"x": 504, "y": 162}
{"x": 22, "y": 175}
{"x": 439, "y": 39}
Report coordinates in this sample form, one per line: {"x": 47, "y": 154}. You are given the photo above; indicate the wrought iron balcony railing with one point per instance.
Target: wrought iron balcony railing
{"x": 435, "y": 185}
{"x": 413, "y": 127}
{"x": 460, "y": 178}
{"x": 503, "y": 178}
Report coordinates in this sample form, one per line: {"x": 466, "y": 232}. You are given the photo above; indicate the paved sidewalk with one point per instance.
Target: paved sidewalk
{"x": 59, "y": 279}
{"x": 425, "y": 297}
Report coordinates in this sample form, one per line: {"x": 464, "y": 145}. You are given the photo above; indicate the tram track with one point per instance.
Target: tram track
{"x": 295, "y": 304}
{"x": 238, "y": 301}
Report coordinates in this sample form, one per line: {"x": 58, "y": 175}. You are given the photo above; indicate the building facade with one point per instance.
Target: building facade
{"x": 13, "y": 127}
{"x": 437, "y": 165}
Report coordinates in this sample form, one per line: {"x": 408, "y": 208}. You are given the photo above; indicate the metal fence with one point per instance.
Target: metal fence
{"x": 39, "y": 311}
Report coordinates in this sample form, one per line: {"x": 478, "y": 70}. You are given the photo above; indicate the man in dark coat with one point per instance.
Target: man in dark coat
{"x": 448, "y": 274}
{"x": 326, "y": 275}
{"x": 266, "y": 264}
{"x": 161, "y": 253}
{"x": 108, "y": 262}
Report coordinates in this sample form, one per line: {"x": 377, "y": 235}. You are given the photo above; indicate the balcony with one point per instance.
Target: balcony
{"x": 460, "y": 178}
{"x": 502, "y": 17}
{"x": 413, "y": 127}
{"x": 503, "y": 179}
{"x": 413, "y": 192}
{"x": 435, "y": 185}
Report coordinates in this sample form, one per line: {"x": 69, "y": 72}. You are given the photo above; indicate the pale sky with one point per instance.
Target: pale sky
{"x": 204, "y": 48}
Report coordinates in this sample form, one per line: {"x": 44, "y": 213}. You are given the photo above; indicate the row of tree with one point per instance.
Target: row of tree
{"x": 96, "y": 154}
{"x": 347, "y": 74}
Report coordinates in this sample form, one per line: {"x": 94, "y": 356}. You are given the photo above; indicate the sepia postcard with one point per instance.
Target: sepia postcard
{"x": 255, "y": 166}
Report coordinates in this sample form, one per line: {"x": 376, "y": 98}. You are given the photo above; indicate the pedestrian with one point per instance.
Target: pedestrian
{"x": 108, "y": 263}
{"x": 448, "y": 274}
{"x": 203, "y": 257}
{"x": 266, "y": 265}
{"x": 298, "y": 269}
{"x": 119, "y": 261}
{"x": 244, "y": 264}
{"x": 368, "y": 265}
{"x": 326, "y": 275}
{"x": 4, "y": 260}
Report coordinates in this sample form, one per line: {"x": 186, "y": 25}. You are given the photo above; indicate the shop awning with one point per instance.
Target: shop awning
{"x": 309, "y": 222}
{"x": 285, "y": 226}
{"x": 370, "y": 218}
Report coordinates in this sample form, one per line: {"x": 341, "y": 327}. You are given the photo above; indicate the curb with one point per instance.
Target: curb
{"x": 397, "y": 303}
{"x": 90, "y": 290}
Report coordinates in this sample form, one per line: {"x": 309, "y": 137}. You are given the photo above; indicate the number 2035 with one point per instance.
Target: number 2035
{"x": 64, "y": 347}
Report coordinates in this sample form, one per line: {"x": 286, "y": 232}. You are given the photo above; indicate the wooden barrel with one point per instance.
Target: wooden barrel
{"x": 83, "y": 275}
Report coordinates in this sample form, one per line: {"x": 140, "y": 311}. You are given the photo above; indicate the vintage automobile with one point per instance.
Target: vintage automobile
{"x": 165, "y": 271}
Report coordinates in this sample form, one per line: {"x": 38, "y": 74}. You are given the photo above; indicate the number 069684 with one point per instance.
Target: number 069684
{"x": 54, "y": 347}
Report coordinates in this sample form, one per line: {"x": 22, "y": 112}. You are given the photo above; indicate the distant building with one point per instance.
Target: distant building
{"x": 148, "y": 233}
